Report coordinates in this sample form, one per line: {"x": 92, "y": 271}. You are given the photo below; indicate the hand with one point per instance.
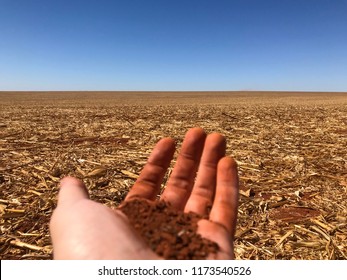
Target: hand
{"x": 203, "y": 181}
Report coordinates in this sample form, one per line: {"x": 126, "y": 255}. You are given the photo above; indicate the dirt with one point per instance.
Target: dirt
{"x": 170, "y": 233}
{"x": 294, "y": 214}
{"x": 290, "y": 148}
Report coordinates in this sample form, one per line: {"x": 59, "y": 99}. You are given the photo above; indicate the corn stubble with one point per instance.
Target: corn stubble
{"x": 290, "y": 149}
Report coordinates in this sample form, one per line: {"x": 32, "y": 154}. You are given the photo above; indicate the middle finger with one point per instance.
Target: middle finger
{"x": 181, "y": 181}
{"x": 204, "y": 188}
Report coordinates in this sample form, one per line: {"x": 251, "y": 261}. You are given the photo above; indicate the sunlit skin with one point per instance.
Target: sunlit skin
{"x": 203, "y": 181}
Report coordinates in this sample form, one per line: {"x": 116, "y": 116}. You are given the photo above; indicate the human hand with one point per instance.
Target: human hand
{"x": 203, "y": 181}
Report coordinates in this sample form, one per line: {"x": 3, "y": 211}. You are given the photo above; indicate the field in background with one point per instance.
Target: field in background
{"x": 290, "y": 147}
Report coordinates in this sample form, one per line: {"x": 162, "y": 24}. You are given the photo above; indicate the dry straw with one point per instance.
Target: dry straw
{"x": 290, "y": 148}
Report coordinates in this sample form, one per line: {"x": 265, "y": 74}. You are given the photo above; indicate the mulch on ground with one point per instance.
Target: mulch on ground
{"x": 290, "y": 149}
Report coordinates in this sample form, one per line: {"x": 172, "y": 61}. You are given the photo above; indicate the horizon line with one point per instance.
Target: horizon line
{"x": 95, "y": 90}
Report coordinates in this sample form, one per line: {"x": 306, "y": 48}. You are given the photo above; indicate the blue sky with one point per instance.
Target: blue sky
{"x": 173, "y": 45}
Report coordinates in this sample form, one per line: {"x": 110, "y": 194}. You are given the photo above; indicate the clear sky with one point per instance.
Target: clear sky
{"x": 173, "y": 45}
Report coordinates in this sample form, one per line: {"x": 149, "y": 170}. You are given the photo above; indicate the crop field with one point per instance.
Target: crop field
{"x": 291, "y": 149}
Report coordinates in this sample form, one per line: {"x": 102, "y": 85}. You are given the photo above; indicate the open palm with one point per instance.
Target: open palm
{"x": 203, "y": 181}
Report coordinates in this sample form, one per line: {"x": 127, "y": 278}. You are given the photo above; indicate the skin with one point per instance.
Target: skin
{"x": 203, "y": 181}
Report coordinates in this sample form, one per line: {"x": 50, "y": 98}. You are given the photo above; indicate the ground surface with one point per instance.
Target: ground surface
{"x": 290, "y": 147}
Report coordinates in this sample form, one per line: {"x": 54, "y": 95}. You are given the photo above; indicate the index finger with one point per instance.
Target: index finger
{"x": 151, "y": 177}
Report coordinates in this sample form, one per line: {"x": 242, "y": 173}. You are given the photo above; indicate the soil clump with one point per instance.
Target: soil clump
{"x": 170, "y": 233}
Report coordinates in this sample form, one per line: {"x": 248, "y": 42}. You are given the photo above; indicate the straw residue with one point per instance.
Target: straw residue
{"x": 290, "y": 149}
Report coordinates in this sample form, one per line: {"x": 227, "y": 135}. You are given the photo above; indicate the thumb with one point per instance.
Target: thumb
{"x": 71, "y": 191}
